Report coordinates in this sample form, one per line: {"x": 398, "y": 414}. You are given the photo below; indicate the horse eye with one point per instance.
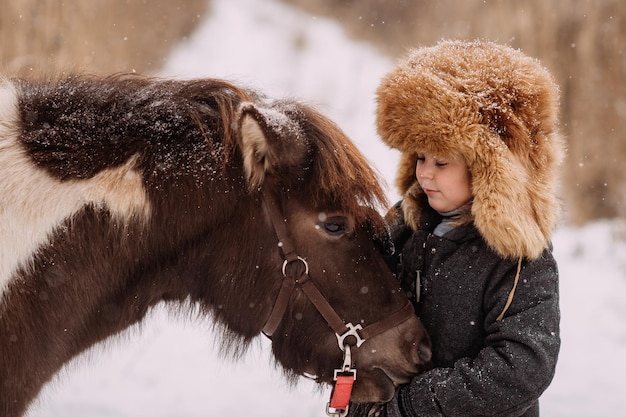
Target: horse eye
{"x": 334, "y": 228}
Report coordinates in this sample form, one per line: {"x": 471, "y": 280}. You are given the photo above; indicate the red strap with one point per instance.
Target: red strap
{"x": 340, "y": 395}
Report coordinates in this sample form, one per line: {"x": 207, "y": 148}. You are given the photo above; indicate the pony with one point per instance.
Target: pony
{"x": 124, "y": 191}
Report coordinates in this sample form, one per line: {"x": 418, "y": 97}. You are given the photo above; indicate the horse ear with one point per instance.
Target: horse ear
{"x": 271, "y": 142}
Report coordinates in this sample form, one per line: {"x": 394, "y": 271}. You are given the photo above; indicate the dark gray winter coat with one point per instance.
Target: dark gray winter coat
{"x": 482, "y": 367}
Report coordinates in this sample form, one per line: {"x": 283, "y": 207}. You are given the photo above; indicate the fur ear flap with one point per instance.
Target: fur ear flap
{"x": 271, "y": 142}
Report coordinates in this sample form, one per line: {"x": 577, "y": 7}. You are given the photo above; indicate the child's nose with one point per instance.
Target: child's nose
{"x": 424, "y": 172}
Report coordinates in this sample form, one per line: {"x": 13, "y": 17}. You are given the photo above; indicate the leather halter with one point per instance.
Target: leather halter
{"x": 296, "y": 273}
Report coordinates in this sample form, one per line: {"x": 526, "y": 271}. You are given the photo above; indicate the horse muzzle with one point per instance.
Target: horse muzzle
{"x": 390, "y": 359}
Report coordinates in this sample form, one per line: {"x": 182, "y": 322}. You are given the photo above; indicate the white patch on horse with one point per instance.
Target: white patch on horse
{"x": 33, "y": 203}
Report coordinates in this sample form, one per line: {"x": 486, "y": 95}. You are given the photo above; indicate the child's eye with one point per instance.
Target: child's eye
{"x": 441, "y": 163}
{"x": 420, "y": 157}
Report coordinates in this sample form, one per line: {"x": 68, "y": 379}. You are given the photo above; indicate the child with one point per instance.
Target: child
{"x": 476, "y": 123}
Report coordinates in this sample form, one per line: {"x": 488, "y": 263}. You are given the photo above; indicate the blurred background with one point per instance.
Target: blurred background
{"x": 583, "y": 42}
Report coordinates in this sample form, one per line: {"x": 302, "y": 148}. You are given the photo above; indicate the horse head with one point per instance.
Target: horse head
{"x": 319, "y": 195}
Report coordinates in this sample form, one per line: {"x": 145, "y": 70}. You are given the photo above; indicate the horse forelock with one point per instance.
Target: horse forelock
{"x": 341, "y": 175}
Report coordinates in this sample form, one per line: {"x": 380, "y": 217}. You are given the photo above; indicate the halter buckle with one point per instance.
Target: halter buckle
{"x": 352, "y": 331}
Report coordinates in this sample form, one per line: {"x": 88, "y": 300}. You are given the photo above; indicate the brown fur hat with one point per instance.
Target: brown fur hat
{"x": 498, "y": 109}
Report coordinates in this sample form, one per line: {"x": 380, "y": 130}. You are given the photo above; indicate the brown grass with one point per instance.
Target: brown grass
{"x": 582, "y": 41}
{"x": 97, "y": 36}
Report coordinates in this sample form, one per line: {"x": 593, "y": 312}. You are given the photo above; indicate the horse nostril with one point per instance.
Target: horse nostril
{"x": 424, "y": 352}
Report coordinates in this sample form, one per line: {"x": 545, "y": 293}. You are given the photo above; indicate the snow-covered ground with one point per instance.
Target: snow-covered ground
{"x": 169, "y": 367}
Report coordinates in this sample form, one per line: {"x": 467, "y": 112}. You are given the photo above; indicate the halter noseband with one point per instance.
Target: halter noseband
{"x": 296, "y": 273}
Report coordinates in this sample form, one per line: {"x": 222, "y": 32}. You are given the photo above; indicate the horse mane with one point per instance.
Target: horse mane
{"x": 96, "y": 107}
{"x": 108, "y": 119}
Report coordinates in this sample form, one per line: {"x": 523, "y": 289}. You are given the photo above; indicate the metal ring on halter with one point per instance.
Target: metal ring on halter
{"x": 306, "y": 266}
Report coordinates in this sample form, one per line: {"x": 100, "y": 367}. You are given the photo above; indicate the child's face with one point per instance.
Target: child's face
{"x": 446, "y": 183}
